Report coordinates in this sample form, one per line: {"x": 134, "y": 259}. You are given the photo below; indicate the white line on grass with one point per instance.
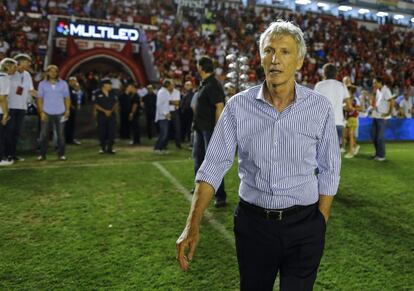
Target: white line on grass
{"x": 44, "y": 165}
{"x": 207, "y": 214}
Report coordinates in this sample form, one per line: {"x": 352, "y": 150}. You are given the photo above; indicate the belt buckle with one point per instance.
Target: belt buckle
{"x": 279, "y": 212}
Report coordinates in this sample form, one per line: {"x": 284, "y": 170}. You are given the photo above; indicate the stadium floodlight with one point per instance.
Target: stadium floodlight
{"x": 344, "y": 8}
{"x": 363, "y": 11}
{"x": 323, "y": 5}
{"x": 398, "y": 16}
{"x": 303, "y": 2}
{"x": 412, "y": 20}
{"x": 382, "y": 14}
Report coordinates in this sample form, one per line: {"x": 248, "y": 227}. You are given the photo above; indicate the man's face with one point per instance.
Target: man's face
{"x": 171, "y": 86}
{"x": 24, "y": 65}
{"x": 376, "y": 84}
{"x": 199, "y": 70}
{"x": 188, "y": 86}
{"x": 131, "y": 89}
{"x": 280, "y": 59}
{"x": 11, "y": 69}
{"x": 52, "y": 73}
{"x": 72, "y": 83}
{"x": 107, "y": 87}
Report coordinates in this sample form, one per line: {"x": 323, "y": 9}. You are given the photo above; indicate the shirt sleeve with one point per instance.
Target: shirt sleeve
{"x": 328, "y": 157}
{"x": 215, "y": 94}
{"x": 41, "y": 90}
{"x": 163, "y": 102}
{"x": 4, "y": 86}
{"x": 66, "y": 93}
{"x": 31, "y": 87}
{"x": 220, "y": 152}
{"x": 387, "y": 94}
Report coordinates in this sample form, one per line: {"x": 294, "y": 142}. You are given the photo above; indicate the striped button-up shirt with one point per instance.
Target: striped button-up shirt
{"x": 285, "y": 158}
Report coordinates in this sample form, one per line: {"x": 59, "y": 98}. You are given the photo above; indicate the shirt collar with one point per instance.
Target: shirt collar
{"x": 207, "y": 80}
{"x": 299, "y": 93}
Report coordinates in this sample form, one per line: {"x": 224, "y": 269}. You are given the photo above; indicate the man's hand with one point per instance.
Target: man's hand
{"x": 5, "y": 119}
{"x": 187, "y": 241}
{"x": 131, "y": 116}
{"x": 43, "y": 116}
{"x": 168, "y": 116}
{"x": 67, "y": 113}
{"x": 325, "y": 202}
{"x": 108, "y": 113}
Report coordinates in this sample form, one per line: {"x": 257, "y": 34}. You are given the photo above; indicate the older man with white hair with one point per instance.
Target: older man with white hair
{"x": 21, "y": 90}
{"x": 7, "y": 66}
{"x": 289, "y": 165}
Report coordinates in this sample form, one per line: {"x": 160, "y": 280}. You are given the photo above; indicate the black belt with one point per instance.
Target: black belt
{"x": 274, "y": 214}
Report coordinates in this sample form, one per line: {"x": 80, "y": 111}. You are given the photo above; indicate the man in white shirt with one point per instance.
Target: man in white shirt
{"x": 6, "y": 65}
{"x": 384, "y": 103}
{"x": 163, "y": 115}
{"x": 337, "y": 94}
{"x": 406, "y": 106}
{"x": 21, "y": 89}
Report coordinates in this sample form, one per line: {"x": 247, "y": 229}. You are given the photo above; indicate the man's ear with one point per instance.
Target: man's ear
{"x": 300, "y": 64}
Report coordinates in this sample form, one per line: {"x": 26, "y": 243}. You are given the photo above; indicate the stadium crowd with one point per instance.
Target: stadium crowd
{"x": 183, "y": 38}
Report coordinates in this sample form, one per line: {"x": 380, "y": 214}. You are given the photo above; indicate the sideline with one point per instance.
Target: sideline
{"x": 207, "y": 214}
{"x": 58, "y": 164}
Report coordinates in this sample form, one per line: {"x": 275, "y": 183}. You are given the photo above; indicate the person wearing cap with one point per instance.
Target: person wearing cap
{"x": 149, "y": 103}
{"x": 289, "y": 165}
{"x": 21, "y": 92}
{"x": 53, "y": 103}
{"x": 106, "y": 103}
{"x": 76, "y": 96}
{"x": 7, "y": 66}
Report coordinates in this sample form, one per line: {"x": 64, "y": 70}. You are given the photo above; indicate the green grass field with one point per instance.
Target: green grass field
{"x": 111, "y": 222}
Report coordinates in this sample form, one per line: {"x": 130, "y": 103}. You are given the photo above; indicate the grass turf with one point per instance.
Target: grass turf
{"x": 110, "y": 222}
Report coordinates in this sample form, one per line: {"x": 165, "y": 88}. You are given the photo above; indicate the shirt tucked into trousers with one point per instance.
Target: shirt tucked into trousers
{"x": 286, "y": 160}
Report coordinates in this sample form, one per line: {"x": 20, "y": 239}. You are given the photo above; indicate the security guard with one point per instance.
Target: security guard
{"x": 106, "y": 103}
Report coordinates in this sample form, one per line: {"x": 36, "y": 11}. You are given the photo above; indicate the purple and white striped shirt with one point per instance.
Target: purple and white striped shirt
{"x": 280, "y": 153}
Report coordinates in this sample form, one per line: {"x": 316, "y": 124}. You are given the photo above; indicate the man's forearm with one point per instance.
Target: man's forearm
{"x": 3, "y": 105}
{"x": 67, "y": 104}
{"x": 325, "y": 202}
{"x": 40, "y": 105}
{"x": 219, "y": 110}
{"x": 202, "y": 195}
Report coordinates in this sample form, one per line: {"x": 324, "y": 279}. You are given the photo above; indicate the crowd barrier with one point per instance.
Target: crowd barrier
{"x": 396, "y": 129}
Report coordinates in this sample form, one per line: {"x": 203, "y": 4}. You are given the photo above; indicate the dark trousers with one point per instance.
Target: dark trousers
{"x": 201, "y": 141}
{"x": 162, "y": 141}
{"x": 13, "y": 129}
{"x": 2, "y": 140}
{"x": 186, "y": 122}
{"x": 125, "y": 124}
{"x": 70, "y": 127}
{"x": 377, "y": 134}
{"x": 106, "y": 132}
{"x": 175, "y": 126}
{"x": 55, "y": 121}
{"x": 150, "y": 124}
{"x": 136, "y": 133}
{"x": 292, "y": 246}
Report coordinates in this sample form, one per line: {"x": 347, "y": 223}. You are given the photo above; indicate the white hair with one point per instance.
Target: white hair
{"x": 281, "y": 27}
{"x": 6, "y": 62}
